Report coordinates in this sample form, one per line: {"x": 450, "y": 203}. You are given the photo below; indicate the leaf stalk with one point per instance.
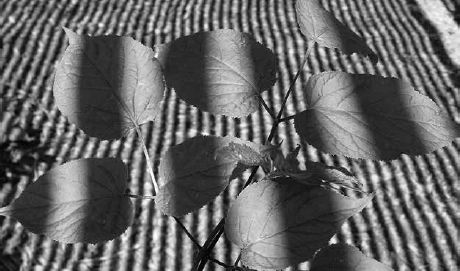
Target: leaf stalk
{"x": 140, "y": 197}
{"x": 190, "y": 236}
{"x": 149, "y": 161}
{"x": 310, "y": 47}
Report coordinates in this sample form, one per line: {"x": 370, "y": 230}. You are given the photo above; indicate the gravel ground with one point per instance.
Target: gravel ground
{"x": 413, "y": 221}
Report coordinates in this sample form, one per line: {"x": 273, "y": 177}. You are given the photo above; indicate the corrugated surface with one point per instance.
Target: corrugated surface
{"x": 413, "y": 221}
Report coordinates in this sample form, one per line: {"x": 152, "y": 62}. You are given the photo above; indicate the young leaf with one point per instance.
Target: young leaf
{"x": 246, "y": 153}
{"x": 199, "y": 169}
{"x": 221, "y": 71}
{"x": 321, "y": 26}
{"x": 342, "y": 257}
{"x": 284, "y": 164}
{"x": 107, "y": 85}
{"x": 334, "y": 175}
{"x": 371, "y": 117}
{"x": 282, "y": 223}
{"x": 79, "y": 201}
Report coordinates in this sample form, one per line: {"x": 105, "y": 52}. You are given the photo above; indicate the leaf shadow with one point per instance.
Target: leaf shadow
{"x": 382, "y": 138}
{"x": 108, "y": 63}
{"x": 202, "y": 76}
{"x": 93, "y": 72}
{"x": 86, "y": 103}
{"x": 221, "y": 72}
{"x": 401, "y": 109}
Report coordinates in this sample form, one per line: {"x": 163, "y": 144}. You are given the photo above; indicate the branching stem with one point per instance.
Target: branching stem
{"x": 286, "y": 119}
{"x": 269, "y": 111}
{"x": 187, "y": 232}
{"x": 219, "y": 229}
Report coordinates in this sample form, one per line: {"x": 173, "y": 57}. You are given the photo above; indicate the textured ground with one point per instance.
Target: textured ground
{"x": 413, "y": 221}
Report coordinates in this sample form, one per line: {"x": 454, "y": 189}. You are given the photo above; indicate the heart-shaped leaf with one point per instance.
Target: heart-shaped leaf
{"x": 221, "y": 72}
{"x": 281, "y": 223}
{"x": 343, "y": 257}
{"x": 321, "y": 26}
{"x": 371, "y": 117}
{"x": 80, "y": 201}
{"x": 107, "y": 85}
{"x": 199, "y": 169}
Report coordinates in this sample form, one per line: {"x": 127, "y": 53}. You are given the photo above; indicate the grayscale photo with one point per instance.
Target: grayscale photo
{"x": 229, "y": 135}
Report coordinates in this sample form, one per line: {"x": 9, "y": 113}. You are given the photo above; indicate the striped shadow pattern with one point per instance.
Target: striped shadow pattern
{"x": 413, "y": 221}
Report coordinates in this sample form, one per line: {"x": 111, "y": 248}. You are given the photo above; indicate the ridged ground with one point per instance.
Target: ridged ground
{"x": 413, "y": 221}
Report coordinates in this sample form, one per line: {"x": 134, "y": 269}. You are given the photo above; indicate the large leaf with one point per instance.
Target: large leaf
{"x": 282, "y": 223}
{"x": 321, "y": 26}
{"x": 221, "y": 71}
{"x": 196, "y": 171}
{"x": 342, "y": 257}
{"x": 107, "y": 85}
{"x": 368, "y": 116}
{"x": 80, "y": 201}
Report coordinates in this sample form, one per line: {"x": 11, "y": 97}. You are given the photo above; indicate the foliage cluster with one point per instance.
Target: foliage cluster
{"x": 109, "y": 86}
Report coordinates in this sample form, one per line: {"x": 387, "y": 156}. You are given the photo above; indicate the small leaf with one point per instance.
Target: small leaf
{"x": 285, "y": 164}
{"x": 199, "y": 169}
{"x": 246, "y": 153}
{"x": 221, "y": 72}
{"x": 291, "y": 159}
{"x": 282, "y": 223}
{"x": 371, "y": 117}
{"x": 319, "y": 25}
{"x": 80, "y": 201}
{"x": 107, "y": 85}
{"x": 334, "y": 175}
{"x": 342, "y": 257}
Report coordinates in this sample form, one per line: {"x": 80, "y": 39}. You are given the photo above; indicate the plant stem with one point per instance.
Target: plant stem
{"x": 310, "y": 47}
{"x": 286, "y": 118}
{"x": 220, "y": 263}
{"x": 237, "y": 259}
{"x": 209, "y": 245}
{"x": 226, "y": 265}
{"x": 139, "y": 196}
{"x": 190, "y": 236}
{"x": 196, "y": 242}
{"x": 217, "y": 232}
{"x": 149, "y": 161}
{"x": 264, "y": 104}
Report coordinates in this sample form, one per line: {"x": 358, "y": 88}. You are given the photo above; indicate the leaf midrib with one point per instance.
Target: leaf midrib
{"x": 377, "y": 114}
{"x": 12, "y": 208}
{"x": 117, "y": 98}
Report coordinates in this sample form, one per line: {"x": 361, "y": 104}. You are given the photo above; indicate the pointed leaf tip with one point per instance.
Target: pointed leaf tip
{"x": 318, "y": 24}
{"x": 71, "y": 35}
{"x": 343, "y": 257}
